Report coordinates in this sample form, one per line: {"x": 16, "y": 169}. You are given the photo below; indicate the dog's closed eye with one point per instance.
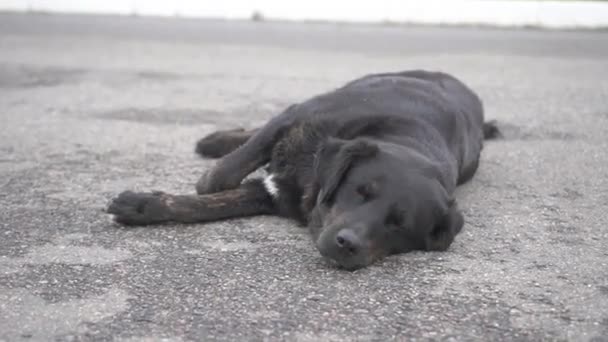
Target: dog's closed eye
{"x": 394, "y": 218}
{"x": 367, "y": 191}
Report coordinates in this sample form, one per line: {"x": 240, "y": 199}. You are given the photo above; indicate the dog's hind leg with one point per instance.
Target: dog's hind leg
{"x": 220, "y": 143}
{"x": 146, "y": 208}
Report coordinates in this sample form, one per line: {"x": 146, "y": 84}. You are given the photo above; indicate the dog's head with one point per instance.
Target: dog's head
{"x": 375, "y": 200}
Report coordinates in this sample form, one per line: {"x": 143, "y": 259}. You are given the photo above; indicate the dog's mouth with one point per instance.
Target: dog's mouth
{"x": 347, "y": 260}
{"x": 351, "y": 266}
{"x": 342, "y": 265}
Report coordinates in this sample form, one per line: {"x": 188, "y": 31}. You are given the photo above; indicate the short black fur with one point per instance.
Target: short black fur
{"x": 370, "y": 168}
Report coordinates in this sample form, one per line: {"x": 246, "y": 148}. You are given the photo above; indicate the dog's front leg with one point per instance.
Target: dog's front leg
{"x": 231, "y": 169}
{"x": 145, "y": 208}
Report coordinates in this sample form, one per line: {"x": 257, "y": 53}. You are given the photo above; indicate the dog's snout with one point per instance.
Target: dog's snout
{"x": 348, "y": 241}
{"x": 346, "y": 247}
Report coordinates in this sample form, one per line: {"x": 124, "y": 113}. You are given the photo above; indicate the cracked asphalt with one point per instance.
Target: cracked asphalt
{"x": 93, "y": 105}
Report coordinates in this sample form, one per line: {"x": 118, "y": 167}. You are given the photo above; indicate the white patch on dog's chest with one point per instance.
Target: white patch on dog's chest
{"x": 271, "y": 186}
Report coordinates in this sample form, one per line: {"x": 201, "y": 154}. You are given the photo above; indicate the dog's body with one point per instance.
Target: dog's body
{"x": 370, "y": 167}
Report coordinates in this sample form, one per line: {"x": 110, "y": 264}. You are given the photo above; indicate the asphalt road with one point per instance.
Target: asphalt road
{"x": 91, "y": 106}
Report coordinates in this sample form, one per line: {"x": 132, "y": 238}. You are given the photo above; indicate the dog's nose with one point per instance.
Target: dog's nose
{"x": 348, "y": 241}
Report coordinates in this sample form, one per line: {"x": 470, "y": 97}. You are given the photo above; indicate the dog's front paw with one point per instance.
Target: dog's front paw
{"x": 206, "y": 184}
{"x": 215, "y": 180}
{"x": 140, "y": 208}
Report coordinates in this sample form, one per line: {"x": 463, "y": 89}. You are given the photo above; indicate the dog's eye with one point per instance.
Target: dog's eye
{"x": 366, "y": 191}
{"x": 394, "y": 218}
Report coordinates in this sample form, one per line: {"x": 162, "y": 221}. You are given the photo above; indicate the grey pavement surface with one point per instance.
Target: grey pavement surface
{"x": 91, "y": 106}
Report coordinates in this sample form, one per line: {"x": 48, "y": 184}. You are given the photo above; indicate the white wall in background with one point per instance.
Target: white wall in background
{"x": 493, "y": 12}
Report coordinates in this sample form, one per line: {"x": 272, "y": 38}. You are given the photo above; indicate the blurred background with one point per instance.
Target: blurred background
{"x": 489, "y": 12}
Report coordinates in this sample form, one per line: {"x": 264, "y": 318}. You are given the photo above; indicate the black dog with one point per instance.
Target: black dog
{"x": 370, "y": 168}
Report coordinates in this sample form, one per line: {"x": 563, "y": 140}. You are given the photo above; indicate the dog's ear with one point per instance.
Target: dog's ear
{"x": 334, "y": 158}
{"x": 445, "y": 229}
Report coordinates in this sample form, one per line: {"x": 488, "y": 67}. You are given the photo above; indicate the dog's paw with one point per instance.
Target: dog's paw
{"x": 139, "y": 208}
{"x": 218, "y": 144}
{"x": 208, "y": 183}
{"x": 215, "y": 180}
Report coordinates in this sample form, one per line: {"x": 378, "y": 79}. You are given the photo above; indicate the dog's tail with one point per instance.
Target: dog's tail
{"x": 490, "y": 130}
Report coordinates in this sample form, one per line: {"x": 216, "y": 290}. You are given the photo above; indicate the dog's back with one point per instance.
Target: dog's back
{"x": 430, "y": 111}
